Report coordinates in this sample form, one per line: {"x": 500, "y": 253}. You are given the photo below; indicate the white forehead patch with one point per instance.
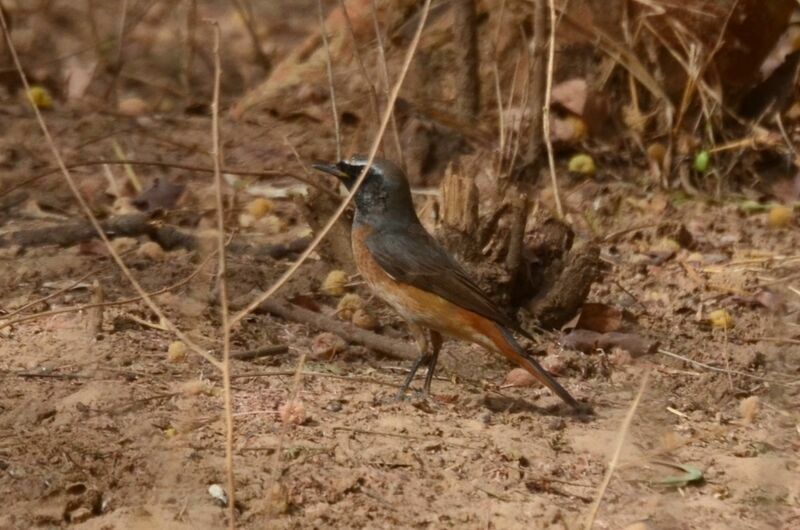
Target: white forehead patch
{"x": 358, "y": 161}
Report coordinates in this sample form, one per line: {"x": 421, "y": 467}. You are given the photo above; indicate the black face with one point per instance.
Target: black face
{"x": 384, "y": 189}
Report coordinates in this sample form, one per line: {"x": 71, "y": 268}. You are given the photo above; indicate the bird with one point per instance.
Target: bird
{"x": 407, "y": 267}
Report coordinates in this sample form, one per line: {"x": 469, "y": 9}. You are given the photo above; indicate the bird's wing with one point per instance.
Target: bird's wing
{"x": 411, "y": 256}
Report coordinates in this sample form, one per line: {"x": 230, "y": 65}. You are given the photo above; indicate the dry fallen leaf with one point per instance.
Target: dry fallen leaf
{"x": 161, "y": 195}
{"x": 132, "y": 106}
{"x": 599, "y": 317}
{"x": 582, "y": 340}
{"x": 292, "y": 412}
{"x": 748, "y": 408}
{"x": 571, "y": 94}
{"x": 582, "y": 164}
{"x": 151, "y": 250}
{"x": 259, "y": 207}
{"x": 326, "y": 345}
{"x": 634, "y": 344}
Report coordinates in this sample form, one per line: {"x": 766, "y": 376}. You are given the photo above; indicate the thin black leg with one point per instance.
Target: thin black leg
{"x": 423, "y": 358}
{"x": 436, "y": 346}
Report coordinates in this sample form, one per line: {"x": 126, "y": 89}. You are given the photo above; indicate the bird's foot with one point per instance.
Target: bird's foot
{"x": 414, "y": 395}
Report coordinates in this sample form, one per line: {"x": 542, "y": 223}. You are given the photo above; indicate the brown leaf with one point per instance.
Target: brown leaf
{"x": 326, "y": 345}
{"x": 581, "y": 340}
{"x": 632, "y": 343}
{"x": 600, "y": 318}
{"x": 571, "y": 95}
{"x": 292, "y": 412}
{"x": 306, "y": 302}
{"x": 772, "y": 301}
{"x": 162, "y": 195}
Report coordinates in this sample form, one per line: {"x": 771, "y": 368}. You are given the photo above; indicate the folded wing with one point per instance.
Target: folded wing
{"x": 411, "y": 256}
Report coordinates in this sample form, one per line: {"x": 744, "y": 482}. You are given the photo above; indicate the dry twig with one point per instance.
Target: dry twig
{"x": 349, "y": 332}
{"x": 612, "y": 465}
{"x": 360, "y": 60}
{"x": 155, "y": 163}
{"x": 222, "y": 282}
{"x": 385, "y": 73}
{"x": 329, "y": 66}
{"x": 546, "y": 111}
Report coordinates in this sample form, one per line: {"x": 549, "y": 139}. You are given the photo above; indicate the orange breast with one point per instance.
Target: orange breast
{"x": 419, "y": 306}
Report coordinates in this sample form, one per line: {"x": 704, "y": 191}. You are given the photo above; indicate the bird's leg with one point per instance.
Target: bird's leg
{"x": 436, "y": 345}
{"x": 424, "y": 356}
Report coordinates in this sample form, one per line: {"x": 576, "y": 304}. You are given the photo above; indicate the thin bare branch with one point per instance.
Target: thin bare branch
{"x": 232, "y": 171}
{"x": 612, "y": 465}
{"x": 222, "y": 285}
{"x": 245, "y": 13}
{"x": 360, "y": 60}
{"x": 329, "y": 66}
{"x": 385, "y": 78}
{"x": 546, "y": 111}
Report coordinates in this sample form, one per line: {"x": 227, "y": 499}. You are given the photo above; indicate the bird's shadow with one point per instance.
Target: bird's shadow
{"x": 515, "y": 405}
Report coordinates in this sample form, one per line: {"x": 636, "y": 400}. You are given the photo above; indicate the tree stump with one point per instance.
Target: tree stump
{"x": 550, "y": 279}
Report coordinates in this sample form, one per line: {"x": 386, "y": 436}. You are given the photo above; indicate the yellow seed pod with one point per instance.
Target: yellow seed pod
{"x": 656, "y": 152}
{"x": 720, "y": 319}
{"x": 335, "y": 282}
{"x": 779, "y": 216}
{"x": 349, "y": 304}
{"x": 40, "y": 97}
{"x": 176, "y": 352}
{"x": 582, "y": 164}
{"x": 364, "y": 320}
{"x": 259, "y": 207}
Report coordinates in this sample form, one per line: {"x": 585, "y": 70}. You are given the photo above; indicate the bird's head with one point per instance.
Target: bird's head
{"x": 384, "y": 190}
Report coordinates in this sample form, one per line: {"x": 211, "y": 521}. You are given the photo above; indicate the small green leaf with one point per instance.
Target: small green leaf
{"x": 691, "y": 474}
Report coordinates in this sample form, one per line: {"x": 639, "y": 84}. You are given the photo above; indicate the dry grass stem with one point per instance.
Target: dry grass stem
{"x": 385, "y": 78}
{"x": 329, "y": 67}
{"x": 361, "y": 66}
{"x": 246, "y": 14}
{"x": 724, "y": 370}
{"x": 222, "y": 282}
{"x": 612, "y": 465}
{"x": 546, "y": 111}
{"x": 241, "y": 172}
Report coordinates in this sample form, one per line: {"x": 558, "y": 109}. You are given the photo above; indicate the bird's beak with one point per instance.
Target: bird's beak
{"x": 332, "y": 169}
{"x": 338, "y": 170}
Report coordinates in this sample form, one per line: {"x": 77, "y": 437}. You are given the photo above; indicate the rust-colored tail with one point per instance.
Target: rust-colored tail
{"x": 507, "y": 345}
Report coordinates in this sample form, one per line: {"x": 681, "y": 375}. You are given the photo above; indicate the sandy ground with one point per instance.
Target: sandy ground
{"x": 109, "y": 431}
{"x": 106, "y": 432}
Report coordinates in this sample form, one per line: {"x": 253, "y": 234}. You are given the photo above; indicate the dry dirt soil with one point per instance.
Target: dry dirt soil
{"x": 114, "y": 428}
{"x": 109, "y": 430}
